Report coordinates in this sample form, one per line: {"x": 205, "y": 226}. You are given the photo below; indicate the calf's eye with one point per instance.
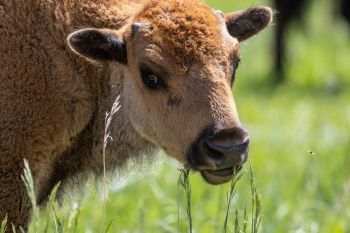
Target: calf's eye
{"x": 150, "y": 79}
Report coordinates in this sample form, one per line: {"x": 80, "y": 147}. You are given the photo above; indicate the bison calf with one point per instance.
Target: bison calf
{"x": 63, "y": 64}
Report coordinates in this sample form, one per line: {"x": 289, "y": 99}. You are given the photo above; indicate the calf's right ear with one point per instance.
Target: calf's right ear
{"x": 98, "y": 44}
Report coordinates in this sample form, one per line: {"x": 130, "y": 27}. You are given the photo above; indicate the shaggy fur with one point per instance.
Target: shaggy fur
{"x": 53, "y": 102}
{"x": 192, "y": 32}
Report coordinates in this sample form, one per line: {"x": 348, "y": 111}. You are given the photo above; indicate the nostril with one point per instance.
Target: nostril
{"x": 227, "y": 147}
{"x": 216, "y": 156}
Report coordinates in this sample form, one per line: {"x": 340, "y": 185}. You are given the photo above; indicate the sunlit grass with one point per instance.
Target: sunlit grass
{"x": 230, "y": 196}
{"x": 53, "y": 218}
{"x": 3, "y": 225}
{"x": 184, "y": 183}
{"x": 256, "y": 211}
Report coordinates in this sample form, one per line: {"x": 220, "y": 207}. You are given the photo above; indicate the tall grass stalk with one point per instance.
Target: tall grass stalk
{"x": 29, "y": 184}
{"x": 238, "y": 175}
{"x": 3, "y": 225}
{"x": 184, "y": 182}
{"x": 239, "y": 225}
{"x": 107, "y": 138}
{"x": 245, "y": 219}
{"x": 237, "y": 228}
{"x": 73, "y": 218}
{"x": 256, "y": 202}
{"x": 52, "y": 213}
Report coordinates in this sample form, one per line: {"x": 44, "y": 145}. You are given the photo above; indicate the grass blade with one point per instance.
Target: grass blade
{"x": 3, "y": 226}
{"x": 245, "y": 219}
{"x": 238, "y": 175}
{"x": 237, "y": 226}
{"x": 184, "y": 182}
{"x": 29, "y": 184}
{"x": 256, "y": 203}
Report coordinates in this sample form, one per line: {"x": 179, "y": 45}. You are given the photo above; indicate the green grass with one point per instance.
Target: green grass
{"x": 300, "y": 150}
{"x": 53, "y": 218}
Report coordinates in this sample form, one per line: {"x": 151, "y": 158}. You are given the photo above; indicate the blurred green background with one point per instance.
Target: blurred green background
{"x": 300, "y": 142}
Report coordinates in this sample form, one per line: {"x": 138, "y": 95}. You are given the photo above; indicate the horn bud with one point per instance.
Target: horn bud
{"x": 136, "y": 27}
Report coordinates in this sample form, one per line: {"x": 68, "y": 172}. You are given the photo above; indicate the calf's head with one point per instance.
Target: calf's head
{"x": 180, "y": 59}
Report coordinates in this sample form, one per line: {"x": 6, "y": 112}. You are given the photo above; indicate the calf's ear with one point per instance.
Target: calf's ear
{"x": 98, "y": 44}
{"x": 246, "y": 23}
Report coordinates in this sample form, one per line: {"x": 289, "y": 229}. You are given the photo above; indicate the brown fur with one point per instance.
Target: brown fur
{"x": 53, "y": 102}
{"x": 191, "y": 29}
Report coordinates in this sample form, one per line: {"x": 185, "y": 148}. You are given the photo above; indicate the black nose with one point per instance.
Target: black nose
{"x": 224, "y": 149}
{"x": 228, "y": 146}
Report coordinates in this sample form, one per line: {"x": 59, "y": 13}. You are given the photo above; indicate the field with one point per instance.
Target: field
{"x": 300, "y": 146}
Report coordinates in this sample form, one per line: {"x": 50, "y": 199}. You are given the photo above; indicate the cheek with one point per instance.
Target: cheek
{"x": 135, "y": 104}
{"x": 145, "y": 111}
{"x": 155, "y": 115}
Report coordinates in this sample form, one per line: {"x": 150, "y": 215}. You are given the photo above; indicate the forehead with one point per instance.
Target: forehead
{"x": 186, "y": 30}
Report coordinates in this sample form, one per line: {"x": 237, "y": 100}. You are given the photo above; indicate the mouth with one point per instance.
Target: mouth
{"x": 216, "y": 177}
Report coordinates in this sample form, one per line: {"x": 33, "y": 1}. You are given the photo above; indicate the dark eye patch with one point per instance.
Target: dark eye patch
{"x": 150, "y": 79}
